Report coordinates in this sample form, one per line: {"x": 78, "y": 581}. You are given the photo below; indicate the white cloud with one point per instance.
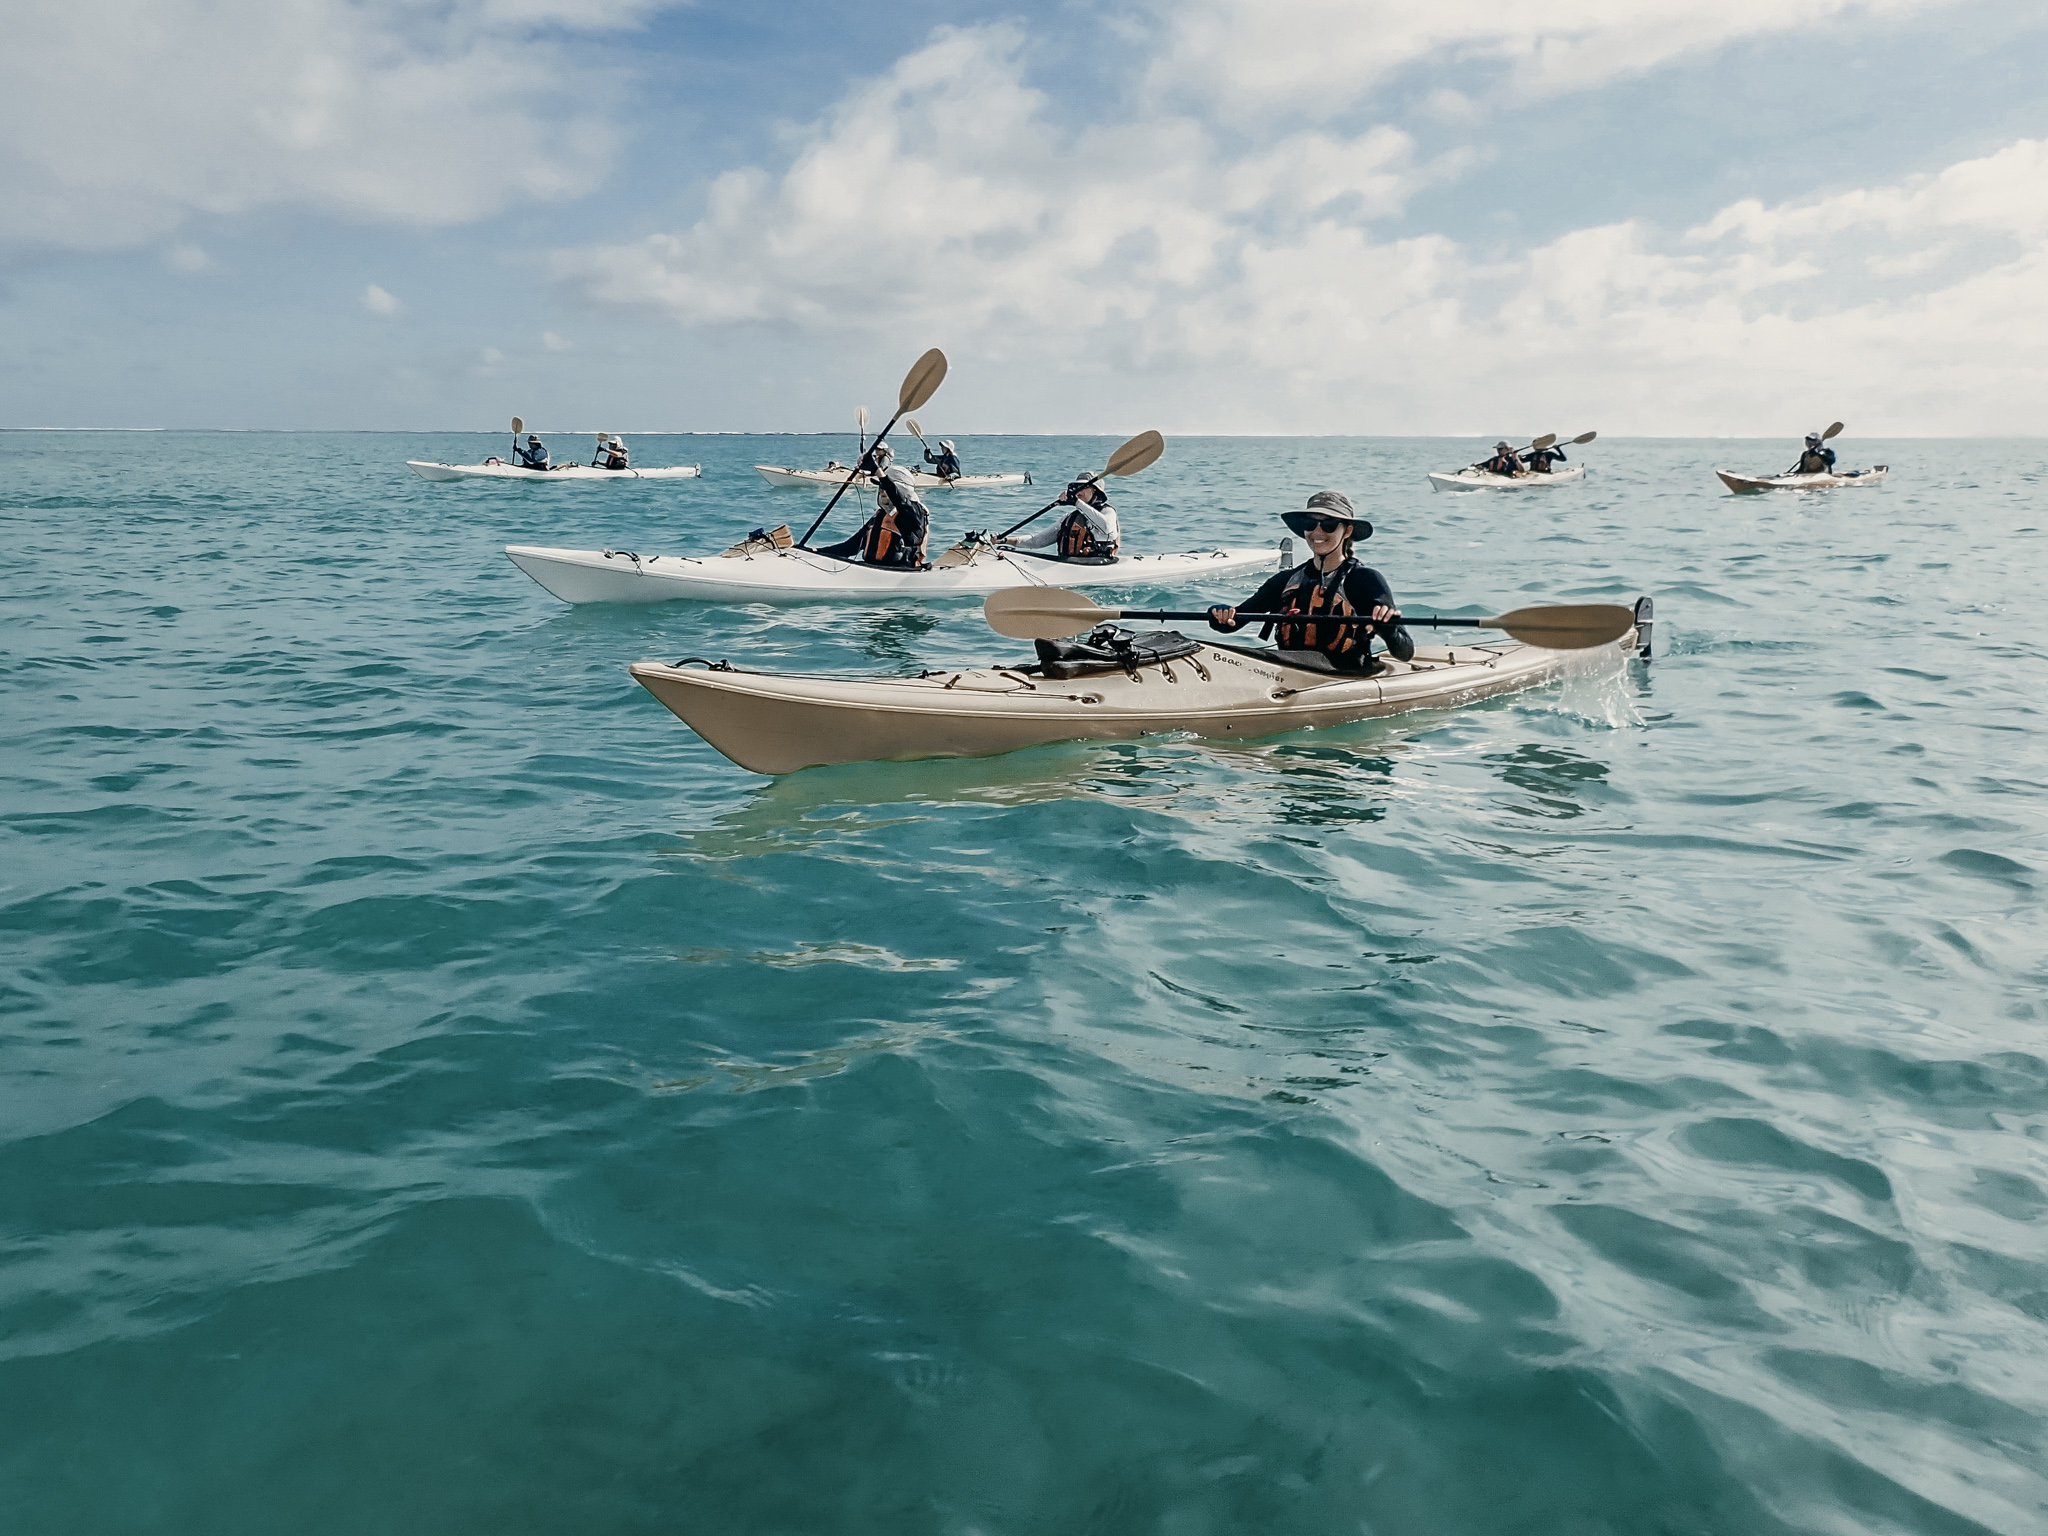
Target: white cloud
{"x": 550, "y": 342}
{"x": 378, "y": 302}
{"x": 185, "y": 257}
{"x": 1318, "y": 58}
{"x": 946, "y": 189}
{"x": 1147, "y": 258}
{"x": 138, "y": 114}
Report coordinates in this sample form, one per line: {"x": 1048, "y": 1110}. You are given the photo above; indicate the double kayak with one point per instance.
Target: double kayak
{"x": 832, "y": 476}
{"x": 1479, "y": 480}
{"x": 560, "y": 474}
{"x": 754, "y": 574}
{"x": 1742, "y": 485}
{"x": 778, "y": 722}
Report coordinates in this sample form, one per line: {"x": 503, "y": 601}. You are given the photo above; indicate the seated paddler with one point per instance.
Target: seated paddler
{"x": 1330, "y": 584}
{"x": 1505, "y": 461}
{"x": 946, "y": 462}
{"x": 533, "y": 454}
{"x": 1817, "y": 458}
{"x": 1089, "y": 532}
{"x": 895, "y": 536}
{"x": 1539, "y": 461}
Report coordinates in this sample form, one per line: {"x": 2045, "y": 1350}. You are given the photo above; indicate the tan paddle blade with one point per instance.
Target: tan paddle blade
{"x": 1565, "y": 627}
{"x": 914, "y": 431}
{"x": 922, "y": 382}
{"x": 1140, "y": 452}
{"x": 1585, "y": 437}
{"x": 860, "y": 416}
{"x": 1043, "y": 613}
{"x": 1834, "y": 431}
{"x": 518, "y": 426}
{"x": 1545, "y": 440}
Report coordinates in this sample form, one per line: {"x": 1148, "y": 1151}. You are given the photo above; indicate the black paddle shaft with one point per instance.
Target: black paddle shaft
{"x": 1431, "y": 622}
{"x": 852, "y": 475}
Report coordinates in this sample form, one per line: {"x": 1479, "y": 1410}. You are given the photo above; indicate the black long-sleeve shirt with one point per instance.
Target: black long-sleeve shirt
{"x": 1364, "y": 589}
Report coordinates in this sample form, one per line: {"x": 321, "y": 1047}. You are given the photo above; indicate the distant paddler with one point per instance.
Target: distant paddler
{"x": 945, "y": 462}
{"x": 533, "y": 454}
{"x": 610, "y": 454}
{"x": 1816, "y": 458}
{"x": 1505, "y": 461}
{"x": 1331, "y": 585}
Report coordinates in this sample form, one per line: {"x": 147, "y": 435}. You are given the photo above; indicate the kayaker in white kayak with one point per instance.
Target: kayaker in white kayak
{"x": 1539, "y": 460}
{"x": 611, "y": 455}
{"x": 895, "y": 536}
{"x": 533, "y": 454}
{"x": 1330, "y": 582}
{"x": 1816, "y": 459}
{"x": 1089, "y": 532}
{"x": 945, "y": 463}
{"x": 1504, "y": 462}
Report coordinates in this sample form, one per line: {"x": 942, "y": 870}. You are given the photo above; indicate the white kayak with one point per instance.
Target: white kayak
{"x": 559, "y": 475}
{"x": 832, "y": 476}
{"x": 775, "y": 722}
{"x": 1744, "y": 484}
{"x": 759, "y": 575}
{"x": 1479, "y": 480}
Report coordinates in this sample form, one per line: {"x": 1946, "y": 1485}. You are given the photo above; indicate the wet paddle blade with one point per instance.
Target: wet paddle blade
{"x": 1585, "y": 437}
{"x": 1565, "y": 627}
{"x": 518, "y": 426}
{"x": 911, "y": 424}
{"x": 1044, "y": 613}
{"x": 922, "y": 382}
{"x": 1834, "y": 431}
{"x": 1544, "y": 441}
{"x": 1139, "y": 453}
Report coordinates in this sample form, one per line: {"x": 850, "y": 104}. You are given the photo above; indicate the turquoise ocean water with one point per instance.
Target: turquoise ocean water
{"x": 442, "y": 1095}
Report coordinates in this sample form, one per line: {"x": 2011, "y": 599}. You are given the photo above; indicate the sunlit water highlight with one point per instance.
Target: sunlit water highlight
{"x": 444, "y": 1095}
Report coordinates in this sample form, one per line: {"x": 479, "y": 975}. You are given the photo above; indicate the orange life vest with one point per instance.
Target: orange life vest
{"x": 895, "y": 535}
{"x": 1310, "y": 592}
{"x": 1077, "y": 539}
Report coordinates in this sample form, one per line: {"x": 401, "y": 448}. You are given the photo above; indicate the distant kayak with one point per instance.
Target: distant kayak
{"x": 778, "y": 722}
{"x": 832, "y": 476}
{"x": 1479, "y": 480}
{"x": 560, "y": 474}
{"x": 1742, "y": 485}
{"x": 759, "y": 575}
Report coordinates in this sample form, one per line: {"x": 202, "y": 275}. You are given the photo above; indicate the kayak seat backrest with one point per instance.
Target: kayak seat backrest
{"x": 1112, "y": 649}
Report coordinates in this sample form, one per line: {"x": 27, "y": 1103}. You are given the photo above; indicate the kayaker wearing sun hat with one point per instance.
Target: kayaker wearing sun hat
{"x": 534, "y": 455}
{"x": 1503, "y": 462}
{"x": 1089, "y": 532}
{"x": 896, "y": 534}
{"x": 1816, "y": 459}
{"x": 1329, "y": 582}
{"x": 615, "y": 456}
{"x": 945, "y": 463}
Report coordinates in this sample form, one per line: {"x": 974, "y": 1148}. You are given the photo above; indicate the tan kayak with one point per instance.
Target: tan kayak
{"x": 779, "y": 722}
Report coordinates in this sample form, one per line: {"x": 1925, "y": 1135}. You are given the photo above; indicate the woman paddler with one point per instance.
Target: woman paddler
{"x": 896, "y": 534}
{"x": 1332, "y": 583}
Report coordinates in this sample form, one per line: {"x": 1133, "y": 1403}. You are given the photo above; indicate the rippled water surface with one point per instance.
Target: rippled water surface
{"x": 443, "y": 1095}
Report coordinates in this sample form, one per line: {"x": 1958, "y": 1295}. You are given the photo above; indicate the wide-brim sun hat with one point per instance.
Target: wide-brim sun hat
{"x": 1328, "y": 504}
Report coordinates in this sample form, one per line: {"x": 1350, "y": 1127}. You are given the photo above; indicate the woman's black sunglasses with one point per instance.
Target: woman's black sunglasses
{"x": 1323, "y": 525}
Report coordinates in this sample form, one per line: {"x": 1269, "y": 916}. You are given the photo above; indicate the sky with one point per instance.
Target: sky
{"x": 1649, "y": 217}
